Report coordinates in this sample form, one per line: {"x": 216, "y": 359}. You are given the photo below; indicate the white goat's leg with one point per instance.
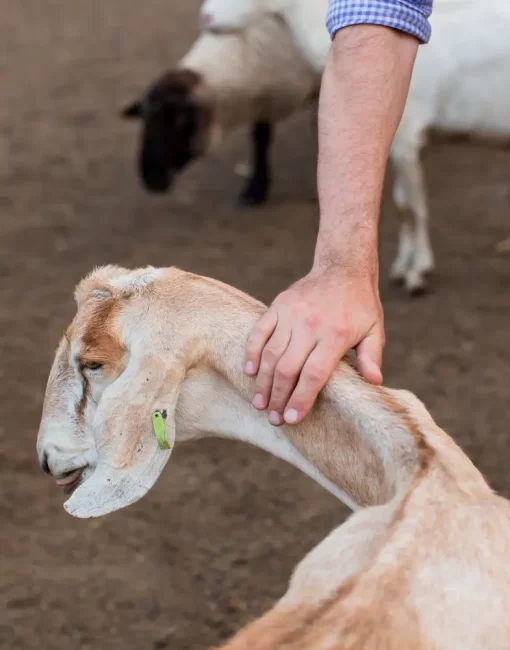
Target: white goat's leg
{"x": 410, "y": 192}
{"x": 405, "y": 250}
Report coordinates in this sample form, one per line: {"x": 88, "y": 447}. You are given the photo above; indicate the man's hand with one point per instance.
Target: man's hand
{"x": 296, "y": 345}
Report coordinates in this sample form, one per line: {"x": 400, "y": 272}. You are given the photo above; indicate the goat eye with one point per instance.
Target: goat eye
{"x": 91, "y": 365}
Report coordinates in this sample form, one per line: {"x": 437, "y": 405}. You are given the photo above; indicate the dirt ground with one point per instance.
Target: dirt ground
{"x": 214, "y": 542}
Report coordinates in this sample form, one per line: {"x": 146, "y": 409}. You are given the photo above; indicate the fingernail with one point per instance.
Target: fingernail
{"x": 290, "y": 416}
{"x": 249, "y": 368}
{"x": 275, "y": 418}
{"x": 258, "y": 401}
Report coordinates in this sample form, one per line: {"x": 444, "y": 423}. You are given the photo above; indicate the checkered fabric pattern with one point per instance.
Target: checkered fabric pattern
{"x": 408, "y": 16}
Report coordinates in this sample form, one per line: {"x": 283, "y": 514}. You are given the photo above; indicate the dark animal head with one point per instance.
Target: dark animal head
{"x": 176, "y": 127}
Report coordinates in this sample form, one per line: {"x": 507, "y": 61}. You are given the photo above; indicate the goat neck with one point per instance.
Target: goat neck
{"x": 363, "y": 443}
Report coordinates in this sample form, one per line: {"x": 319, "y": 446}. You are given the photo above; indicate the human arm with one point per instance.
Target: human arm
{"x": 299, "y": 341}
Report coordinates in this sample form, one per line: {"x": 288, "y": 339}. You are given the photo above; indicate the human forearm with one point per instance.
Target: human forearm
{"x": 364, "y": 89}
{"x": 296, "y": 345}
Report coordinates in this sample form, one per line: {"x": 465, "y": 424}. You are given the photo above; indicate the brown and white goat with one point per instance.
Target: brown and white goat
{"x": 422, "y": 564}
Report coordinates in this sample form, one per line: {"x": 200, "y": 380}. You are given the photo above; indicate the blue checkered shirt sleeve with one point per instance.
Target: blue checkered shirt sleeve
{"x": 410, "y": 16}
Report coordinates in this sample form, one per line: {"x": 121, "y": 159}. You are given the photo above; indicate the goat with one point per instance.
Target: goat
{"x": 305, "y": 18}
{"x": 223, "y": 82}
{"x": 423, "y": 562}
{"x": 459, "y": 86}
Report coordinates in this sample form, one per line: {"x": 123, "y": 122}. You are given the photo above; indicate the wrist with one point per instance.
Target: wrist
{"x": 362, "y": 278}
{"x": 352, "y": 259}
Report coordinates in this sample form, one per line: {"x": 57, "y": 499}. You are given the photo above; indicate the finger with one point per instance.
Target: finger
{"x": 287, "y": 372}
{"x": 260, "y": 334}
{"x": 369, "y": 357}
{"x": 317, "y": 370}
{"x": 271, "y": 355}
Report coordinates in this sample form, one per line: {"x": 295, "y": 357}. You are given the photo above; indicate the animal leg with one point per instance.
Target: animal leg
{"x": 257, "y": 187}
{"x": 415, "y": 258}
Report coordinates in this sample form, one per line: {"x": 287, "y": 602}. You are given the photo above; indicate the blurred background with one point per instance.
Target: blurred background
{"x": 213, "y": 544}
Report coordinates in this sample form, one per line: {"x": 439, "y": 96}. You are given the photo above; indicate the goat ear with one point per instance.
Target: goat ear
{"x": 129, "y": 458}
{"x": 132, "y": 111}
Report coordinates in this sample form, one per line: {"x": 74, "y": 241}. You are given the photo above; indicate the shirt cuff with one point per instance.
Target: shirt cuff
{"x": 409, "y": 17}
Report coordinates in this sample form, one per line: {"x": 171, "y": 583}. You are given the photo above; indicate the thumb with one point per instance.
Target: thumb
{"x": 369, "y": 357}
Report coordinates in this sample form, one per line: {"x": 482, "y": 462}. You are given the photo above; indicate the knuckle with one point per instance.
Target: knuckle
{"x": 314, "y": 374}
{"x": 276, "y": 403}
{"x": 264, "y": 375}
{"x": 262, "y": 388}
{"x": 285, "y": 373}
{"x": 269, "y": 357}
{"x": 338, "y": 332}
{"x": 253, "y": 349}
{"x": 252, "y": 353}
{"x": 276, "y": 394}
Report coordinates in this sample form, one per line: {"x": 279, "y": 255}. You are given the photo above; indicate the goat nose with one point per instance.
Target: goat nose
{"x": 44, "y": 463}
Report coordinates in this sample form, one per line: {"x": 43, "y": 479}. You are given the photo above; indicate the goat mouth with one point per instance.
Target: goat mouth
{"x": 70, "y": 480}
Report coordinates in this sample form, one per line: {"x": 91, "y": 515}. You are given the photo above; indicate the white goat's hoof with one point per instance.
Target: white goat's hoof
{"x": 415, "y": 283}
{"x": 398, "y": 273}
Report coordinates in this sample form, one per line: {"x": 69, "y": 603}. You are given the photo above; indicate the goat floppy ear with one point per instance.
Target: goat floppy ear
{"x": 129, "y": 459}
{"x": 132, "y": 111}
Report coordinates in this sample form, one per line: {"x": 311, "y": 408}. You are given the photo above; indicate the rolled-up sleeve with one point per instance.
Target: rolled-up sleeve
{"x": 410, "y": 16}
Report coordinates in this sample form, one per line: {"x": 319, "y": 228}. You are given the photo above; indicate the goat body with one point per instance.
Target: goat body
{"x": 306, "y": 20}
{"x": 422, "y": 564}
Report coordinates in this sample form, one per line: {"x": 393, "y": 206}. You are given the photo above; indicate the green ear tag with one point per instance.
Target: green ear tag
{"x": 159, "y": 426}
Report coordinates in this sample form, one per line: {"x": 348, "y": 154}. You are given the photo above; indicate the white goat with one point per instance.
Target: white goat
{"x": 424, "y": 563}
{"x": 460, "y": 85}
{"x": 305, "y": 18}
{"x": 223, "y": 82}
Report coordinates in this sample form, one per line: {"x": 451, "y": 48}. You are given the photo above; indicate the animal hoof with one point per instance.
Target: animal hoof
{"x": 418, "y": 291}
{"x": 416, "y": 285}
{"x": 397, "y": 275}
{"x": 397, "y": 279}
{"x": 252, "y": 196}
{"x": 250, "y": 201}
